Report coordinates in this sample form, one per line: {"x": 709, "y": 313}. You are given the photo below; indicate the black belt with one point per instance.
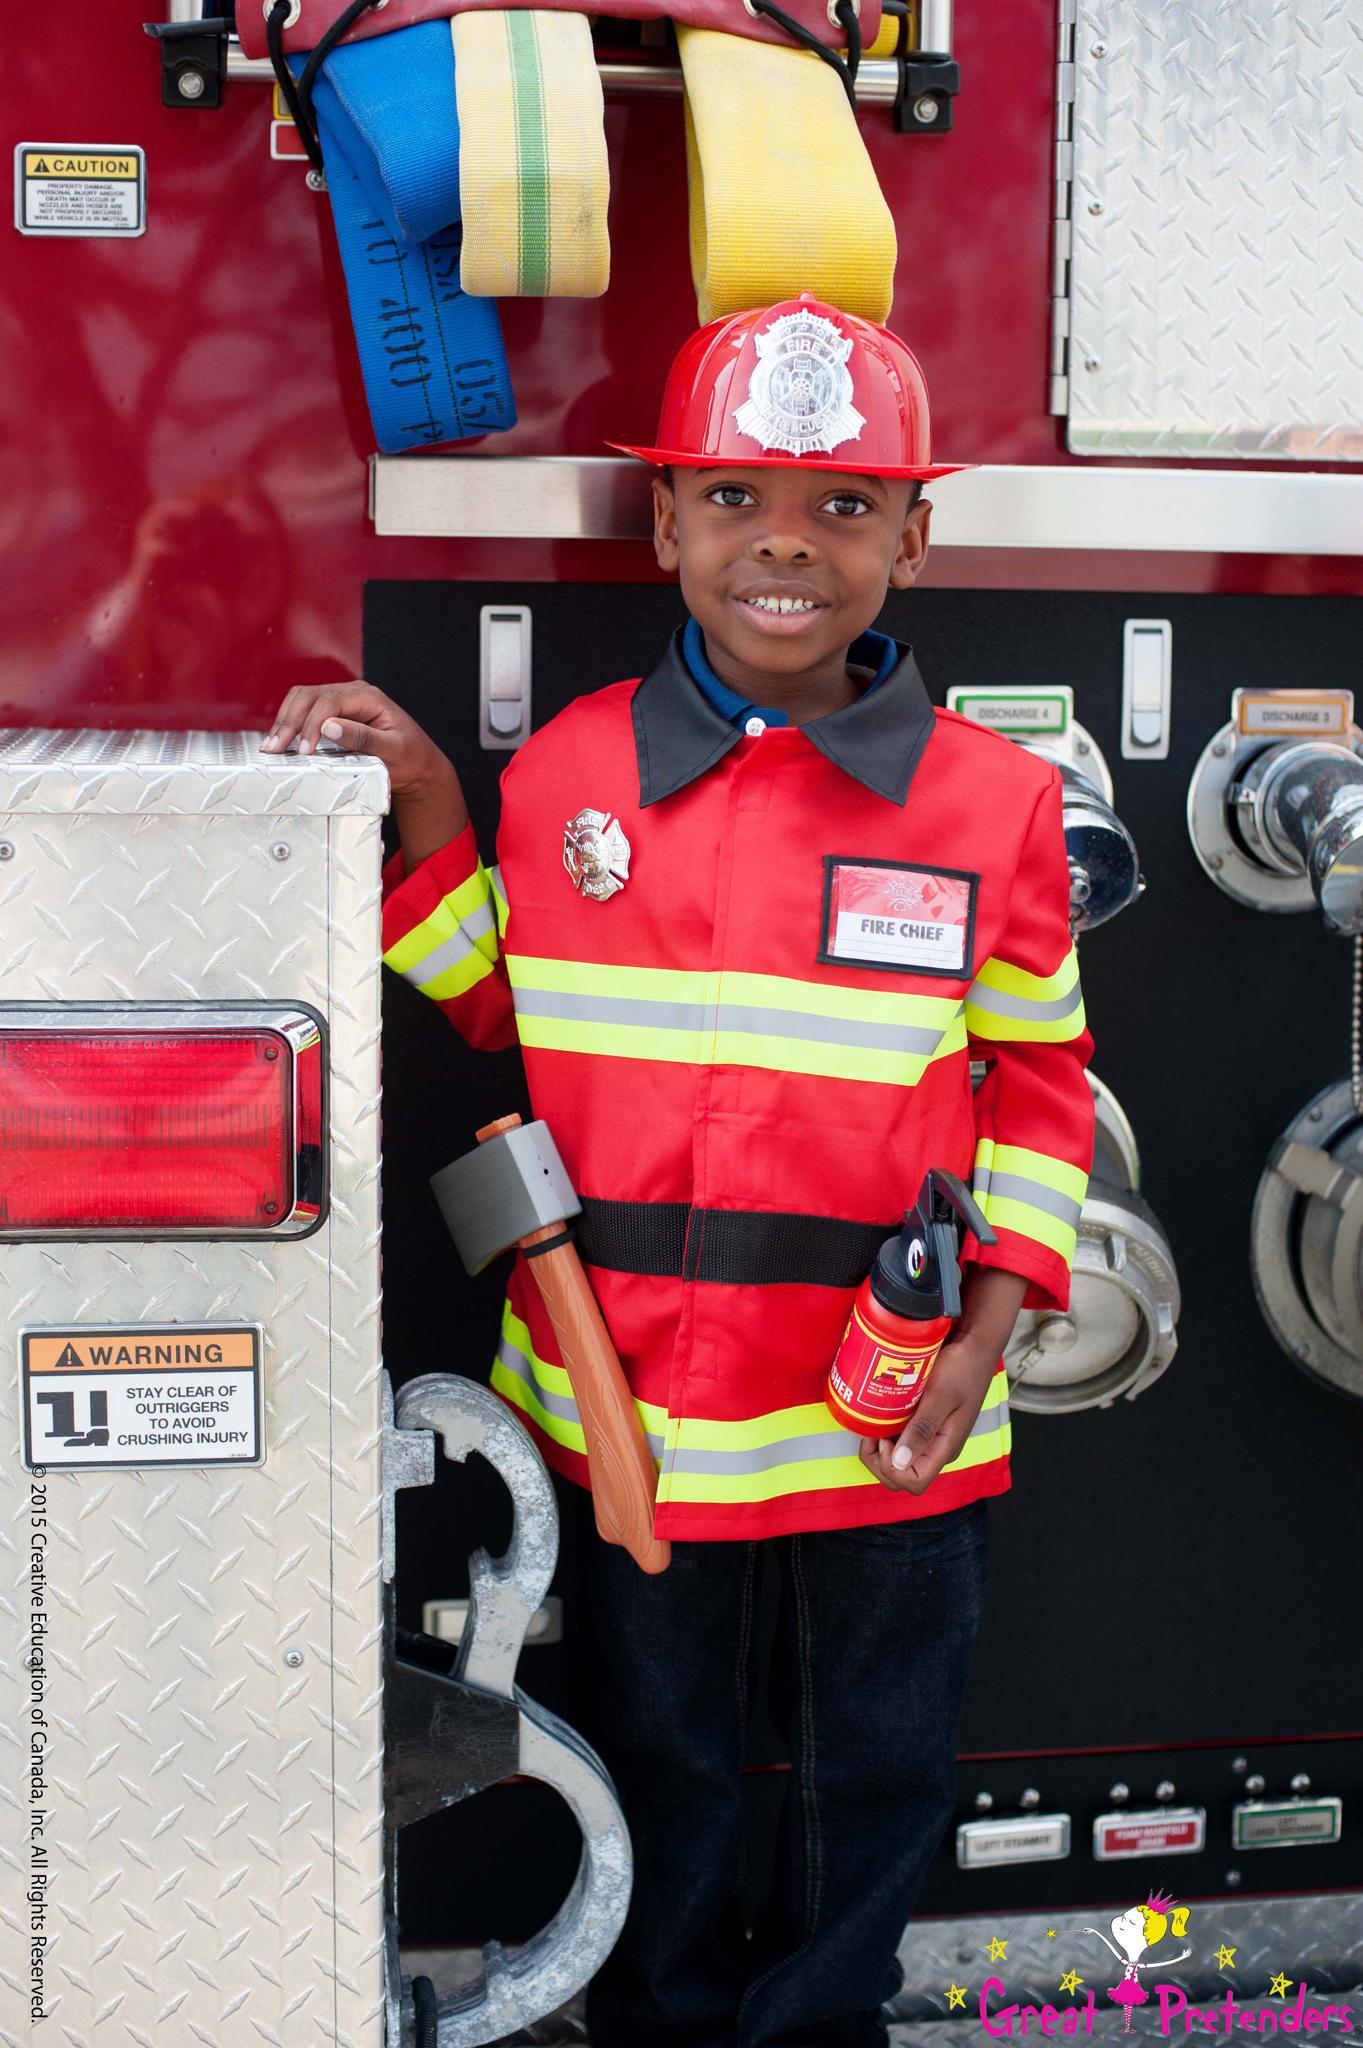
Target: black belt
{"x": 740, "y": 1247}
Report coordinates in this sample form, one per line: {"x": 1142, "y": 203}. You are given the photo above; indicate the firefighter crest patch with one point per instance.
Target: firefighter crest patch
{"x": 800, "y": 392}
{"x": 596, "y": 854}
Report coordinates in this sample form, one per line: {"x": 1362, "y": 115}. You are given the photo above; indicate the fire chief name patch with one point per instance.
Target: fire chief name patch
{"x": 896, "y": 915}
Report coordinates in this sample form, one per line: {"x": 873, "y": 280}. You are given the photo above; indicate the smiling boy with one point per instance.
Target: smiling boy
{"x": 755, "y": 916}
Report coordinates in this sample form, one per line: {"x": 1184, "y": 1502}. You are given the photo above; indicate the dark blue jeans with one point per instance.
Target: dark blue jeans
{"x": 872, "y": 1649}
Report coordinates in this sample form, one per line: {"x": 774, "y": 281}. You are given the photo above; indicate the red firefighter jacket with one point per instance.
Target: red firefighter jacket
{"x": 752, "y": 1042}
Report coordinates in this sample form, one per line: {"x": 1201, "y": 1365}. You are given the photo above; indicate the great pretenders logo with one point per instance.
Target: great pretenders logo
{"x": 1141, "y": 1942}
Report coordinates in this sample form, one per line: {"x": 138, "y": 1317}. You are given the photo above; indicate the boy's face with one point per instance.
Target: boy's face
{"x": 829, "y": 544}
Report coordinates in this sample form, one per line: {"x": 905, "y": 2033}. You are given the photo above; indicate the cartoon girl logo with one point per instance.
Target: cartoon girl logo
{"x": 1135, "y": 1931}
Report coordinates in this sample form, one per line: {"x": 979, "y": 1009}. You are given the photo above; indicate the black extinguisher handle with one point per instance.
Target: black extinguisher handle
{"x": 949, "y": 1202}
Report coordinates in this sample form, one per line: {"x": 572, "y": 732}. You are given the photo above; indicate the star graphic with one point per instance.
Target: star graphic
{"x": 1225, "y": 1957}
{"x": 1051, "y": 1933}
{"x": 1069, "y": 1982}
{"x": 1279, "y": 1987}
{"x": 955, "y": 1996}
{"x": 998, "y": 1950}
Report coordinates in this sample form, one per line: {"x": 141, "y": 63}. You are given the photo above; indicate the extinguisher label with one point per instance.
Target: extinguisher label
{"x": 142, "y": 1394}
{"x": 892, "y": 914}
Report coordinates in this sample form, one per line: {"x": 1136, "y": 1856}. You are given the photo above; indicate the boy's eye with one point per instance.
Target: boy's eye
{"x": 730, "y": 494}
{"x": 848, "y": 505}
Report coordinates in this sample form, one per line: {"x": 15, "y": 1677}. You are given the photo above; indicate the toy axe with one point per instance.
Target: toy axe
{"x": 514, "y": 1189}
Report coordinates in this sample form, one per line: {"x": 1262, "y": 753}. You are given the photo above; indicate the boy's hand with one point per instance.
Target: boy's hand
{"x": 361, "y": 720}
{"x": 936, "y": 1431}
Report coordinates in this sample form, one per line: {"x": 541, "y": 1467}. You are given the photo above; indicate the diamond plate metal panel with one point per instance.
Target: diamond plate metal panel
{"x": 212, "y": 1664}
{"x": 1216, "y": 270}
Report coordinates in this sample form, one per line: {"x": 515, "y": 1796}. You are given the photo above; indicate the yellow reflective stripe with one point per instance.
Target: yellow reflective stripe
{"x": 703, "y": 1017}
{"x": 1035, "y": 988}
{"x": 545, "y": 1392}
{"x": 453, "y": 947}
{"x": 1040, "y": 1166}
{"x": 1007, "y": 1004}
{"x": 586, "y": 977}
{"x": 1005, "y": 1212}
{"x": 722, "y": 1488}
{"x": 522, "y": 1394}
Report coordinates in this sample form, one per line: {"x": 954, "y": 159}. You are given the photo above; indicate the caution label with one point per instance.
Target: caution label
{"x": 142, "y": 1394}
{"x": 63, "y": 188}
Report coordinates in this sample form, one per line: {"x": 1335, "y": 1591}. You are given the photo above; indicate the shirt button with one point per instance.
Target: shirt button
{"x": 755, "y": 727}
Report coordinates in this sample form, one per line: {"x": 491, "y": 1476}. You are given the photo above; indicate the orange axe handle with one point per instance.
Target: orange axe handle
{"x": 624, "y": 1481}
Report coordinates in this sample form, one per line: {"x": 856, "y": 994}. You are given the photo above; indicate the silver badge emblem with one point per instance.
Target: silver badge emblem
{"x": 800, "y": 392}
{"x": 596, "y": 854}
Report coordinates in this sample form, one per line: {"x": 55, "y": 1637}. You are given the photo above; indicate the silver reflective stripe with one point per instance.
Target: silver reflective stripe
{"x": 996, "y": 1003}
{"x": 1035, "y": 1194}
{"x": 708, "y": 1018}
{"x": 801, "y": 1450}
{"x": 561, "y": 1405}
{"x": 476, "y": 925}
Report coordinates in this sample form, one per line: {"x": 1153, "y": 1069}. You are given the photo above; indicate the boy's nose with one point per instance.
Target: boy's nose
{"x": 785, "y": 544}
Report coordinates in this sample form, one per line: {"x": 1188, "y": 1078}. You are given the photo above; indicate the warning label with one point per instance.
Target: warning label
{"x": 140, "y": 1394}
{"x": 79, "y": 189}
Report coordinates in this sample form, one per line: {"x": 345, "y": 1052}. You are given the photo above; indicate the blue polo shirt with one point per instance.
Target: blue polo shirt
{"x": 874, "y": 651}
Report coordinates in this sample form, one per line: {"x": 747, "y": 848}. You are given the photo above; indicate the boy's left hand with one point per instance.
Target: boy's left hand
{"x": 936, "y": 1431}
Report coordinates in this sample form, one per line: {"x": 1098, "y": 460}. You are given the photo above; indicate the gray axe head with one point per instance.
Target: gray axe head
{"x": 505, "y": 1188}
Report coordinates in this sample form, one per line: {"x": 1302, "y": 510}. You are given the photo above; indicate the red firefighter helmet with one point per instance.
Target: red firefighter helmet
{"x": 797, "y": 385}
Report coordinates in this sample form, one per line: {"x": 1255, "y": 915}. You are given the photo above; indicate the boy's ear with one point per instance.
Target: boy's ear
{"x": 664, "y": 525}
{"x": 913, "y": 546}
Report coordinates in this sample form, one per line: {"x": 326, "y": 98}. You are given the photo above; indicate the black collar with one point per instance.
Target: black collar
{"x": 879, "y": 740}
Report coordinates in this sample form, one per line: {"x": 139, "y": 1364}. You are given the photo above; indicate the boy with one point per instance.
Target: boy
{"x": 754, "y": 916}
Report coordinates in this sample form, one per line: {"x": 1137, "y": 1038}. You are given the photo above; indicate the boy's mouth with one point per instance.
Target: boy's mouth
{"x": 770, "y": 610}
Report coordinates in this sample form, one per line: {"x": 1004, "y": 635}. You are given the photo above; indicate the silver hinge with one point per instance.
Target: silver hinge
{"x": 1059, "y": 402}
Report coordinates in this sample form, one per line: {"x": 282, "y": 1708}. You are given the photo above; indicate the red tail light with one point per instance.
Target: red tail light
{"x": 204, "y": 1128}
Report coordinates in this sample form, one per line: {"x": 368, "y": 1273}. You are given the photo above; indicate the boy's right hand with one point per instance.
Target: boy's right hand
{"x": 361, "y": 720}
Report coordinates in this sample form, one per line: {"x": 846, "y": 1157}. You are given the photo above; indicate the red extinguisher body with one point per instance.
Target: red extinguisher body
{"x": 882, "y": 1366}
{"x": 903, "y": 1311}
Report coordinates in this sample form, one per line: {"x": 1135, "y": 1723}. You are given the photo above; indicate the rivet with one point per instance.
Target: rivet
{"x": 1215, "y": 863}
{"x": 6, "y": 850}
{"x": 984, "y": 1802}
{"x": 271, "y": 1208}
{"x": 1239, "y": 1764}
{"x": 1316, "y": 1115}
{"x": 191, "y": 85}
{"x": 1030, "y": 1799}
{"x": 293, "y": 1658}
{"x": 1095, "y": 206}
{"x": 272, "y": 1053}
{"x": 1303, "y": 1351}
{"x": 1300, "y": 1783}
{"x": 1100, "y": 49}
{"x": 1118, "y": 1794}
{"x": 1092, "y": 363}
{"x": 1165, "y": 1789}
{"x": 1081, "y": 746}
{"x": 281, "y": 849}
{"x": 316, "y": 181}
{"x": 1218, "y": 748}
{"x": 1232, "y": 1880}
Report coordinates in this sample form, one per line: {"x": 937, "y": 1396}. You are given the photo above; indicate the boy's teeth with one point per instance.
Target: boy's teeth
{"x": 782, "y": 604}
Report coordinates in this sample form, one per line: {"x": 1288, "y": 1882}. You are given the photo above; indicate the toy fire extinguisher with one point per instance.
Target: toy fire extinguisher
{"x": 904, "y": 1311}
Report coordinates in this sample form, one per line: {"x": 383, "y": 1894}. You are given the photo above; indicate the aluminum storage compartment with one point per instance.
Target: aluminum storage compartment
{"x": 192, "y": 1743}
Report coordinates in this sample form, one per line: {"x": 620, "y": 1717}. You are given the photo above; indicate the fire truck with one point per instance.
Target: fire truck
{"x": 283, "y": 1695}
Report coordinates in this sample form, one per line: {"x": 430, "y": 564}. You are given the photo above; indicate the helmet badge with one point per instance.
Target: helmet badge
{"x": 596, "y": 854}
{"x": 800, "y": 392}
